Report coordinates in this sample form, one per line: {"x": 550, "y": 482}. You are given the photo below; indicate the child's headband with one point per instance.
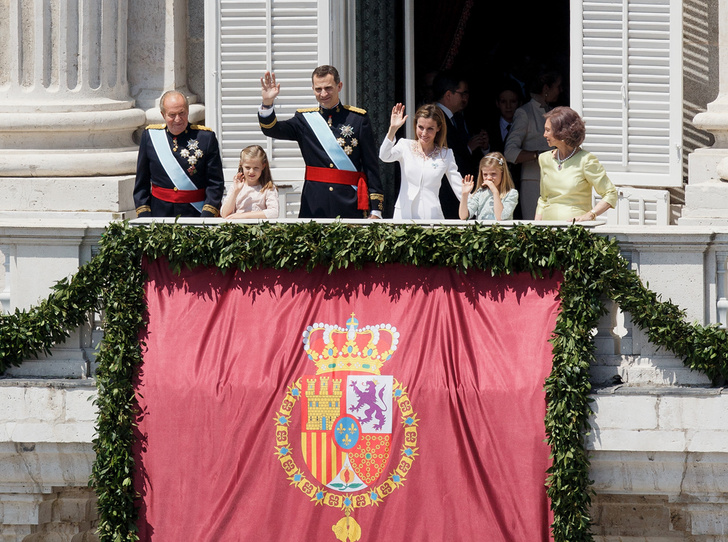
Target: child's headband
{"x": 499, "y": 160}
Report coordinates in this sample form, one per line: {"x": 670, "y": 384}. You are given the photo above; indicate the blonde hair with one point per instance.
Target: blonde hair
{"x": 257, "y": 152}
{"x": 498, "y": 161}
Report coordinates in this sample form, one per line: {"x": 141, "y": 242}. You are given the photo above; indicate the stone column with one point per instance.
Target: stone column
{"x": 706, "y": 195}
{"x": 66, "y": 115}
{"x": 158, "y": 55}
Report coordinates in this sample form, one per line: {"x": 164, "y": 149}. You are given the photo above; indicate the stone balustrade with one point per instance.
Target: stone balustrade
{"x": 659, "y": 443}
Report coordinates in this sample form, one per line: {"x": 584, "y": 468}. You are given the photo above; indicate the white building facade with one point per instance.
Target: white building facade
{"x": 78, "y": 80}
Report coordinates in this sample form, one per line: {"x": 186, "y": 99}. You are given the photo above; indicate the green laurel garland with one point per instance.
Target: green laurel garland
{"x": 592, "y": 268}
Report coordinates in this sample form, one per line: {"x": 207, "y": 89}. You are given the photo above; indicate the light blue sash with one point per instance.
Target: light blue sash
{"x": 171, "y": 166}
{"x": 324, "y": 135}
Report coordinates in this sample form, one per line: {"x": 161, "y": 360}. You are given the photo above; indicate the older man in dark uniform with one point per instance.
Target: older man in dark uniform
{"x": 179, "y": 170}
{"x": 337, "y": 145}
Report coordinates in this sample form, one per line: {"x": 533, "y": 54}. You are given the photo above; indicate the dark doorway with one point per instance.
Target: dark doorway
{"x": 487, "y": 40}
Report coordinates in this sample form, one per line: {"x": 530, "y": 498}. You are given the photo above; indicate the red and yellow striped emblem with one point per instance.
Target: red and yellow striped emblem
{"x": 322, "y": 456}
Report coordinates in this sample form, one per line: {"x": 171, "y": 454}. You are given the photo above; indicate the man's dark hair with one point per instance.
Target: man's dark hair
{"x": 444, "y": 81}
{"x": 508, "y": 83}
{"x": 323, "y": 71}
{"x": 545, "y": 76}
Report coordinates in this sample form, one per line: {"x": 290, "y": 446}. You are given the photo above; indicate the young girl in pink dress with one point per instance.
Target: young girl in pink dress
{"x": 253, "y": 194}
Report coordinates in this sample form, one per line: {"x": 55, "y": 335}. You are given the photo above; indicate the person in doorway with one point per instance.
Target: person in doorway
{"x": 337, "y": 145}
{"x": 423, "y": 162}
{"x": 179, "y": 169}
{"x": 569, "y": 173}
{"x": 525, "y": 139}
{"x": 452, "y": 94}
{"x": 508, "y": 99}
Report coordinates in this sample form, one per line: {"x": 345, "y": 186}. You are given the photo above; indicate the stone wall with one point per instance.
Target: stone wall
{"x": 46, "y": 431}
{"x": 659, "y": 445}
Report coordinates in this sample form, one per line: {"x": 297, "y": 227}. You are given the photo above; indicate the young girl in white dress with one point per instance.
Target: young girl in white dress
{"x": 253, "y": 194}
{"x": 423, "y": 162}
{"x": 495, "y": 197}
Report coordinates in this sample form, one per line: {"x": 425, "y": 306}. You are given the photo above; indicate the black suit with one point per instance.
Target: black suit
{"x": 497, "y": 144}
{"x": 457, "y": 141}
{"x": 495, "y": 141}
{"x": 197, "y": 152}
{"x": 352, "y": 128}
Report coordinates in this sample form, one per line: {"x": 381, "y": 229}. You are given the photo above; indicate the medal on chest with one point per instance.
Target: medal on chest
{"x": 192, "y": 153}
{"x": 346, "y": 139}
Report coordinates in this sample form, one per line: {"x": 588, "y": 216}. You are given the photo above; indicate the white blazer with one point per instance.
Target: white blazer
{"x": 421, "y": 178}
{"x": 527, "y": 134}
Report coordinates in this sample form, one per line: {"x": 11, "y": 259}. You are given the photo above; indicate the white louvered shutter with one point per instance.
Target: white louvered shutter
{"x": 287, "y": 37}
{"x": 626, "y": 81}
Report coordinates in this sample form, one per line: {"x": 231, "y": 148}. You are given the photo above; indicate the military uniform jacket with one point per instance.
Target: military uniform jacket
{"x": 353, "y": 130}
{"x": 197, "y": 151}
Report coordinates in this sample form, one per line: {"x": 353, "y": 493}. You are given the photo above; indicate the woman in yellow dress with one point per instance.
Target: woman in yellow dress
{"x": 568, "y": 173}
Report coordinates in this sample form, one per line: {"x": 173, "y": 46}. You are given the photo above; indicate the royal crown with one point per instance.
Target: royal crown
{"x": 333, "y": 348}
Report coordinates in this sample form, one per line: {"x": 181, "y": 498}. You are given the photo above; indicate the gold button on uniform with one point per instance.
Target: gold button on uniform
{"x": 331, "y": 188}
{"x": 331, "y": 165}
{"x": 176, "y": 189}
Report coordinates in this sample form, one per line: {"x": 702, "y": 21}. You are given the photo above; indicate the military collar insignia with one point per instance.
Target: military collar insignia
{"x": 186, "y": 130}
{"x": 336, "y": 109}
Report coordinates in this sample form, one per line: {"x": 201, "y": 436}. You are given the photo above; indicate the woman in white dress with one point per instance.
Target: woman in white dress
{"x": 423, "y": 161}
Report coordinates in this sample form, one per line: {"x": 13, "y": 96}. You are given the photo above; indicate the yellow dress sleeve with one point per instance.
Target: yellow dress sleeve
{"x": 596, "y": 175}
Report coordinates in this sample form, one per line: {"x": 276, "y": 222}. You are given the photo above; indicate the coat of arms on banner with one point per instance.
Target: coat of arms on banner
{"x": 349, "y": 413}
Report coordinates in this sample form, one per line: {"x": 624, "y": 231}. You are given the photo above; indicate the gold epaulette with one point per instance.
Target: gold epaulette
{"x": 356, "y": 109}
{"x": 200, "y": 127}
{"x": 307, "y": 109}
{"x": 156, "y": 127}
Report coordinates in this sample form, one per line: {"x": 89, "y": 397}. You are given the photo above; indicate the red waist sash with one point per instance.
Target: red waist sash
{"x": 340, "y": 176}
{"x": 172, "y": 195}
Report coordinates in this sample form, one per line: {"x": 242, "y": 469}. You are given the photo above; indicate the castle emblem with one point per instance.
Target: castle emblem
{"x": 349, "y": 413}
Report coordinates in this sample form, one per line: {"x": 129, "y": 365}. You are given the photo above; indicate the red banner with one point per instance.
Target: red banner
{"x": 389, "y": 403}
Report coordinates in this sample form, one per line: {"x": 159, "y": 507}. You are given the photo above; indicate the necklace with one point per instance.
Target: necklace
{"x": 428, "y": 154}
{"x": 558, "y": 156}
{"x": 418, "y": 150}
